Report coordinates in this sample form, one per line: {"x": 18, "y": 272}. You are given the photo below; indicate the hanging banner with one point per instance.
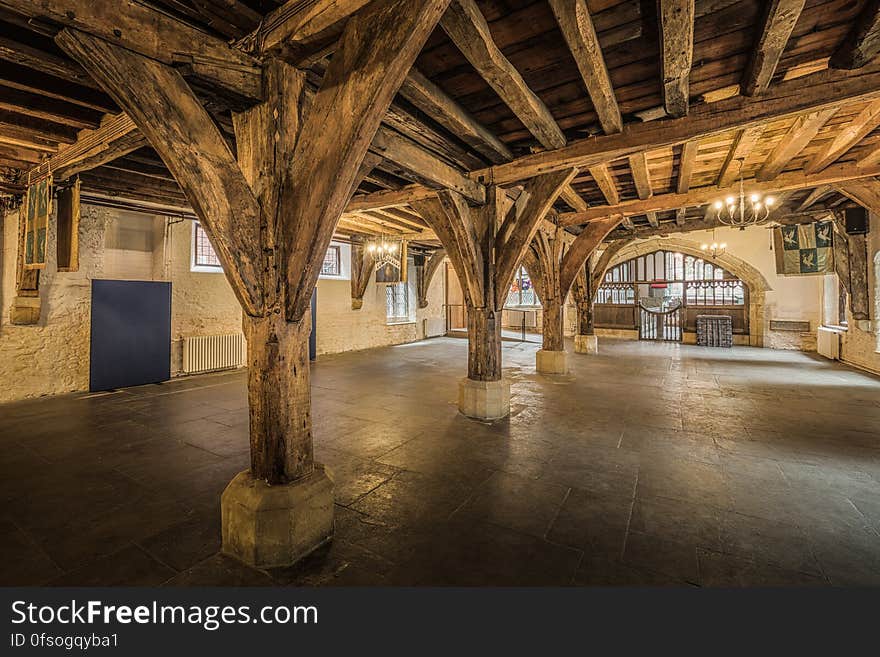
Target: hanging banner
{"x": 38, "y": 208}
{"x": 804, "y": 249}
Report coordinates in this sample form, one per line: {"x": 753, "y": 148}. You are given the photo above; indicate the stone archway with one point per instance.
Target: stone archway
{"x": 758, "y": 285}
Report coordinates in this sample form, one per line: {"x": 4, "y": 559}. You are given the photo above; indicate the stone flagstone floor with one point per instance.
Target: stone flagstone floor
{"x": 653, "y": 464}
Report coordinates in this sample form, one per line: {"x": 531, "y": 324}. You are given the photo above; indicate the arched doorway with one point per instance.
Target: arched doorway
{"x": 680, "y": 270}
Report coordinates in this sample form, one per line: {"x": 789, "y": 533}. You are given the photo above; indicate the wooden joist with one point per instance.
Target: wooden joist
{"x": 814, "y": 196}
{"x": 439, "y": 106}
{"x": 811, "y": 93}
{"x": 789, "y": 181}
{"x": 117, "y": 136}
{"x": 142, "y": 30}
{"x": 468, "y": 29}
{"x": 864, "y": 192}
{"x": 605, "y": 181}
{"x": 746, "y": 140}
{"x": 573, "y": 18}
{"x": 299, "y": 22}
{"x": 860, "y": 127}
{"x": 638, "y": 164}
{"x": 428, "y": 168}
{"x": 686, "y": 165}
{"x": 781, "y": 17}
{"x": 862, "y": 44}
{"x": 48, "y": 109}
{"x": 677, "y": 49}
{"x": 801, "y": 133}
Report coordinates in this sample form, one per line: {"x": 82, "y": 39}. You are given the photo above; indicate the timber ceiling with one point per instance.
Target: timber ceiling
{"x": 538, "y": 100}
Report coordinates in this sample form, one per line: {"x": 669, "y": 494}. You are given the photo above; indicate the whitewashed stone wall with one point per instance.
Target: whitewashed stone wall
{"x": 861, "y": 343}
{"x": 53, "y": 356}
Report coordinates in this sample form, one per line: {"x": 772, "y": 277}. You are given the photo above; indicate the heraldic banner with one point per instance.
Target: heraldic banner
{"x": 804, "y": 249}
{"x": 38, "y": 207}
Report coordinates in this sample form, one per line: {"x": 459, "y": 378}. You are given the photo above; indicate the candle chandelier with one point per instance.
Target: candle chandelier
{"x": 386, "y": 252}
{"x": 740, "y": 212}
{"x": 714, "y": 249}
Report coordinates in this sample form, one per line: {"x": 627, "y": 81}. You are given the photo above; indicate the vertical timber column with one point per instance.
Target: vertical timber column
{"x": 484, "y": 394}
{"x": 282, "y": 508}
{"x": 544, "y": 257}
{"x": 551, "y": 359}
{"x": 585, "y": 339}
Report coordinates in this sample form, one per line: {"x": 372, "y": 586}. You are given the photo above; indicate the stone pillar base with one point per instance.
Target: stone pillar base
{"x": 270, "y": 526}
{"x": 484, "y": 400}
{"x": 586, "y": 344}
{"x": 551, "y": 362}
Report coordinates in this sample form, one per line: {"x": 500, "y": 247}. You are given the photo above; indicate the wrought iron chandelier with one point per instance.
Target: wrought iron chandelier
{"x": 714, "y": 249}
{"x": 741, "y": 212}
{"x": 386, "y": 252}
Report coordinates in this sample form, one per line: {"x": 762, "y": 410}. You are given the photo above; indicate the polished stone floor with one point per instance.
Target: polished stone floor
{"x": 653, "y": 464}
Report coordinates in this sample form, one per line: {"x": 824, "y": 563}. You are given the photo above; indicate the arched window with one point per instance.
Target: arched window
{"x": 666, "y": 274}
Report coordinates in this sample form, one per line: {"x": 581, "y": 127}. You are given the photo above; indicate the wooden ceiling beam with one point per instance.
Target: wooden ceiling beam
{"x": 35, "y": 59}
{"x": 865, "y": 192}
{"x": 605, "y": 181}
{"x": 814, "y": 196}
{"x": 811, "y": 93}
{"x": 576, "y": 24}
{"x": 446, "y": 111}
{"x": 24, "y": 79}
{"x": 429, "y": 169}
{"x": 638, "y": 164}
{"x": 466, "y": 26}
{"x": 299, "y": 22}
{"x": 49, "y": 109}
{"x": 862, "y": 44}
{"x": 745, "y": 141}
{"x": 676, "y": 19}
{"x": 785, "y": 182}
{"x": 145, "y": 31}
{"x": 780, "y": 19}
{"x": 117, "y": 136}
{"x": 686, "y": 165}
{"x": 695, "y": 224}
{"x": 801, "y": 133}
{"x": 14, "y": 123}
{"x": 860, "y": 127}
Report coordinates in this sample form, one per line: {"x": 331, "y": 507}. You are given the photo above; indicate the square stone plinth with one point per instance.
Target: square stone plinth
{"x": 484, "y": 400}
{"x": 270, "y": 526}
{"x": 551, "y": 362}
{"x": 586, "y": 344}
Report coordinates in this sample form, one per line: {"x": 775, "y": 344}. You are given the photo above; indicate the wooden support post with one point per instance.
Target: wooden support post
{"x": 362, "y": 266}
{"x": 485, "y": 245}
{"x": 270, "y": 215}
{"x": 425, "y": 274}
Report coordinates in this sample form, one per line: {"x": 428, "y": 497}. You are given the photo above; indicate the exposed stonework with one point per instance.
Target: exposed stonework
{"x": 551, "y": 362}
{"x": 52, "y": 356}
{"x": 484, "y": 400}
{"x": 275, "y": 526}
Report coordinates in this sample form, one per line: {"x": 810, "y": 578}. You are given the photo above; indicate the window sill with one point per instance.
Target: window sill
{"x": 330, "y": 277}
{"x": 202, "y": 269}
{"x": 401, "y": 322}
{"x": 836, "y": 327}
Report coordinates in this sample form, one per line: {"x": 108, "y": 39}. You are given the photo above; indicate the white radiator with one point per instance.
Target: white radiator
{"x": 828, "y": 343}
{"x": 210, "y": 353}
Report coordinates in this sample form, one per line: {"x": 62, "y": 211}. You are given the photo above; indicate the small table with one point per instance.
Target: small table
{"x": 714, "y": 330}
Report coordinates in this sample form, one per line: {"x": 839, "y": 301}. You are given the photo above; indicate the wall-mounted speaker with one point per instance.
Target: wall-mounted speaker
{"x": 856, "y": 221}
